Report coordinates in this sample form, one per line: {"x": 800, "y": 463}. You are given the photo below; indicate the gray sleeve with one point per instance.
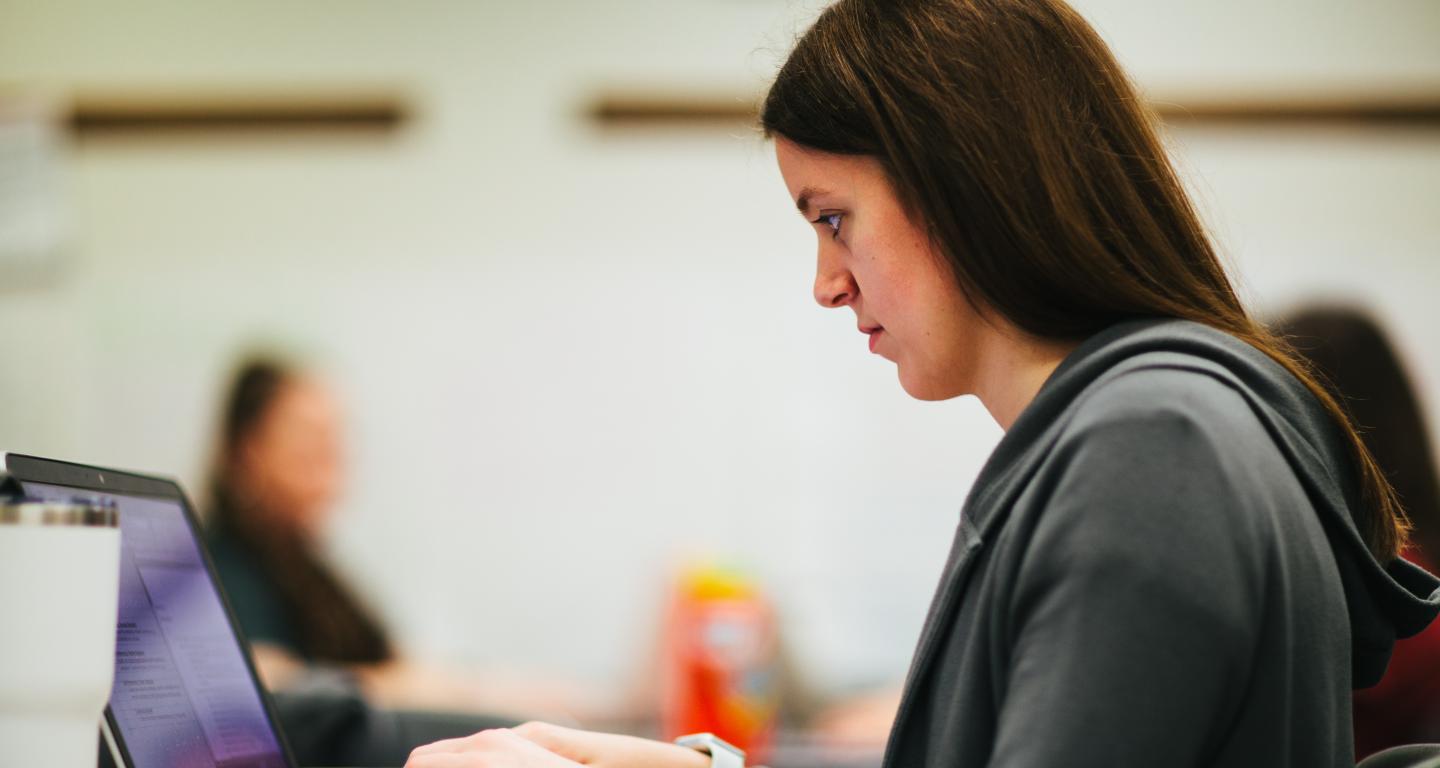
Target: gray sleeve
{"x": 1133, "y": 619}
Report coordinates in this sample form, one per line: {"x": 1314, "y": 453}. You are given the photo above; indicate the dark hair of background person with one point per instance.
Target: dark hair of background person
{"x": 1030, "y": 158}
{"x": 1354, "y": 355}
{"x": 330, "y": 622}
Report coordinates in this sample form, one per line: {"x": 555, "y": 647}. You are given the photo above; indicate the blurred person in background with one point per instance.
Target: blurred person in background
{"x": 278, "y": 471}
{"x": 277, "y": 475}
{"x": 1350, "y": 350}
{"x": 1181, "y": 553}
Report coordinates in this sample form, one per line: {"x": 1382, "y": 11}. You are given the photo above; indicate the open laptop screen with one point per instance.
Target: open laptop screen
{"x": 183, "y": 695}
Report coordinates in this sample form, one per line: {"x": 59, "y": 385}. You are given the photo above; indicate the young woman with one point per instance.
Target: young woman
{"x": 278, "y": 473}
{"x": 1181, "y": 553}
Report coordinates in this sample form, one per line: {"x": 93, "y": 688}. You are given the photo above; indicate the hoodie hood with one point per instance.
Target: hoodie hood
{"x": 1385, "y": 601}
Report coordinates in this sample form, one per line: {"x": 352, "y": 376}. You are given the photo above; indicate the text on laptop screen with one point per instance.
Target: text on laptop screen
{"x": 183, "y": 696}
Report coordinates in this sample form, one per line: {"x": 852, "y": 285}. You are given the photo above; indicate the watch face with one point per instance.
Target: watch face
{"x": 709, "y": 743}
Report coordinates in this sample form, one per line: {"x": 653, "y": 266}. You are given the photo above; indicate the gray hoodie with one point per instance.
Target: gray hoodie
{"x": 1158, "y": 566}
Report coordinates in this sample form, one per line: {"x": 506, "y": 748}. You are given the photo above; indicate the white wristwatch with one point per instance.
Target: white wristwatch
{"x": 722, "y": 754}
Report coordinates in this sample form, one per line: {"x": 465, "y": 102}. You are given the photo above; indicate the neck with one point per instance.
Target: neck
{"x": 1013, "y": 368}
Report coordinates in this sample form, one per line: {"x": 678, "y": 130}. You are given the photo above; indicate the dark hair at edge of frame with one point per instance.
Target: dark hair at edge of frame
{"x": 1011, "y": 132}
{"x": 1353, "y": 354}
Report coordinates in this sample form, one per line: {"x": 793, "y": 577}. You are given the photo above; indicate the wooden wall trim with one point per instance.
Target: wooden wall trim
{"x": 218, "y": 111}
{"x": 1412, "y": 109}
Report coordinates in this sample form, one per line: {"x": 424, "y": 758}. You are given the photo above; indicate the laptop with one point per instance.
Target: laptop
{"x": 186, "y": 694}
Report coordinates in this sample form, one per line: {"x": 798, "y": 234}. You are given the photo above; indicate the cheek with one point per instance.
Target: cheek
{"x": 919, "y": 300}
{"x": 875, "y": 272}
{"x": 895, "y": 258}
{"x": 890, "y": 290}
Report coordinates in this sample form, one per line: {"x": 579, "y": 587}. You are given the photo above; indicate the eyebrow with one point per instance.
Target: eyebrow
{"x": 802, "y": 203}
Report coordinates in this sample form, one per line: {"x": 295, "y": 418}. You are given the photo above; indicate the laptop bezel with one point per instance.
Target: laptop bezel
{"x": 35, "y": 469}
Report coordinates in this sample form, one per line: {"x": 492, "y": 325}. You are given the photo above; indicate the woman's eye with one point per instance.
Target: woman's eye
{"x": 831, "y": 220}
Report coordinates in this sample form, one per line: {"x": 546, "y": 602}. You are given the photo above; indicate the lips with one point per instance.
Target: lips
{"x": 873, "y": 331}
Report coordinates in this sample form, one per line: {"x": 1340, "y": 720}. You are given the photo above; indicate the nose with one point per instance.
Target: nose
{"x": 834, "y": 285}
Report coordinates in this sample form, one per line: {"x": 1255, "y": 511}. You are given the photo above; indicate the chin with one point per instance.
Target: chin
{"x": 927, "y": 388}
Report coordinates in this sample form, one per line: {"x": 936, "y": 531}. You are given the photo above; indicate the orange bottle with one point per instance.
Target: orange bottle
{"x": 720, "y": 670}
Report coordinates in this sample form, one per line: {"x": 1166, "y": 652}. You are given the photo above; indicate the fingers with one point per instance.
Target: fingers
{"x": 537, "y": 731}
{"x": 562, "y": 741}
{"x": 541, "y": 745}
{"x": 605, "y": 750}
{"x": 495, "y": 747}
{"x": 498, "y": 748}
{"x": 452, "y": 745}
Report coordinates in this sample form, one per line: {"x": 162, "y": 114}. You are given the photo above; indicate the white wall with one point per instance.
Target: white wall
{"x": 569, "y": 357}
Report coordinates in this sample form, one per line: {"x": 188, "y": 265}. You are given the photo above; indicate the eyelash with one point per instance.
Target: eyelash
{"x": 833, "y": 219}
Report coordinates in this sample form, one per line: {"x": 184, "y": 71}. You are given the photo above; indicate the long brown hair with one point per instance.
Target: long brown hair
{"x": 330, "y": 623}
{"x": 1011, "y": 132}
